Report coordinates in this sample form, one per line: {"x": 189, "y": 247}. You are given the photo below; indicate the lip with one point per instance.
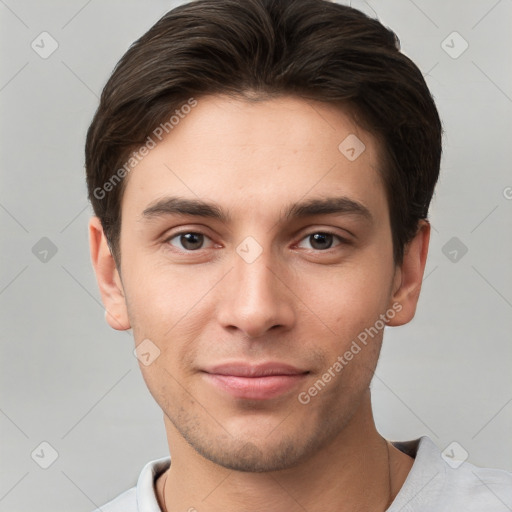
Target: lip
{"x": 255, "y": 382}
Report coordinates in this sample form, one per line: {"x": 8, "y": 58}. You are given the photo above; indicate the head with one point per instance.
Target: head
{"x": 261, "y": 174}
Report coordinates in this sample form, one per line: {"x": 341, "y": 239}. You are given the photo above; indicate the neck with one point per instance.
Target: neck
{"x": 358, "y": 470}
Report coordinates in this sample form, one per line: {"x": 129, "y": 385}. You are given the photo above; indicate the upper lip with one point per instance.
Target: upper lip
{"x": 241, "y": 369}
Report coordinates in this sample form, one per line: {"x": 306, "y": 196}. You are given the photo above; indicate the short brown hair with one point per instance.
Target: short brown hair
{"x": 310, "y": 48}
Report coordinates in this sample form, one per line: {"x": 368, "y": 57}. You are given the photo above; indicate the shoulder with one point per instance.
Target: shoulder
{"x": 125, "y": 502}
{"x": 142, "y": 497}
{"x": 438, "y": 483}
{"x": 478, "y": 489}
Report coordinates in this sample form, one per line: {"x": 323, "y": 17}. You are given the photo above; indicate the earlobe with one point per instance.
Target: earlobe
{"x": 409, "y": 276}
{"x": 107, "y": 275}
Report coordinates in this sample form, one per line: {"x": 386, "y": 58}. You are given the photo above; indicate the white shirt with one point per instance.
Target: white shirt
{"x": 432, "y": 485}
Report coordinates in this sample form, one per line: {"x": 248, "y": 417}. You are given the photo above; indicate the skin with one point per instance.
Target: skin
{"x": 299, "y": 303}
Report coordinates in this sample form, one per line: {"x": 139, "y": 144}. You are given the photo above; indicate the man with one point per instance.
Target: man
{"x": 261, "y": 173}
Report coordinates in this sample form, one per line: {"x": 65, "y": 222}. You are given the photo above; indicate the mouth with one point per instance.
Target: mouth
{"x": 254, "y": 382}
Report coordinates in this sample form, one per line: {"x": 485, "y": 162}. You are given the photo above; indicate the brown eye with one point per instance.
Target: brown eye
{"x": 320, "y": 240}
{"x": 189, "y": 241}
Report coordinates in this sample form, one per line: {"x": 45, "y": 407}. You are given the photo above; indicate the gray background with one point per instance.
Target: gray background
{"x": 69, "y": 380}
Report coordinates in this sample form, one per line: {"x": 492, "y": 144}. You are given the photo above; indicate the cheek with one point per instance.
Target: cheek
{"x": 350, "y": 306}
{"x": 160, "y": 295}
{"x": 349, "y": 298}
{"x": 172, "y": 307}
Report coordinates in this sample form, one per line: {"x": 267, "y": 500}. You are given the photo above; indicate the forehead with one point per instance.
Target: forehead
{"x": 260, "y": 154}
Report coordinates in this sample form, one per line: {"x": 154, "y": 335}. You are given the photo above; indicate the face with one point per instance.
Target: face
{"x": 255, "y": 253}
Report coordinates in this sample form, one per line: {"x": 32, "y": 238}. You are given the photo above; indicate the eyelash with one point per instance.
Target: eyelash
{"x": 342, "y": 241}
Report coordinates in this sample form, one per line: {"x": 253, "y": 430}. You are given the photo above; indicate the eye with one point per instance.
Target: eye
{"x": 321, "y": 240}
{"x": 188, "y": 240}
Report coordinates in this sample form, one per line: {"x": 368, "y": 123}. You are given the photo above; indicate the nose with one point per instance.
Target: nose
{"x": 257, "y": 297}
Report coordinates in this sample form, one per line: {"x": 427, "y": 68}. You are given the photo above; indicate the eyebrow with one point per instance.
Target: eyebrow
{"x": 199, "y": 208}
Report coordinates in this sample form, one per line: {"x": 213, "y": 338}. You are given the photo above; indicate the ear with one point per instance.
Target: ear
{"x": 107, "y": 275}
{"x": 409, "y": 276}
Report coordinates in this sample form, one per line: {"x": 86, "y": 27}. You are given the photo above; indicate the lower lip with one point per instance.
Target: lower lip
{"x": 255, "y": 388}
